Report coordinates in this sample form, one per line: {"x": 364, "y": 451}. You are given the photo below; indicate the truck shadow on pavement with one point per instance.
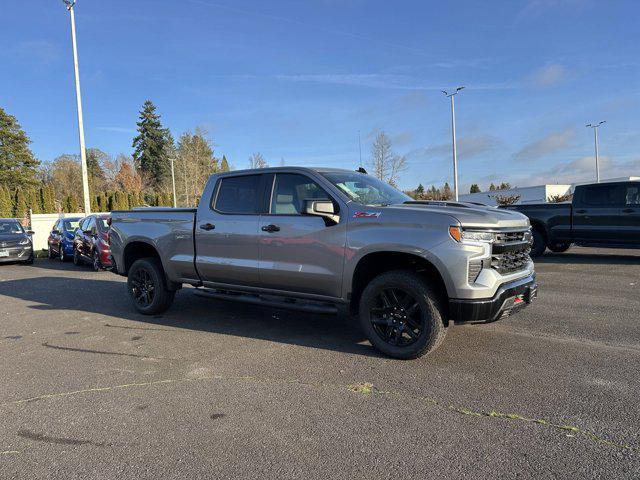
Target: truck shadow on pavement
{"x": 190, "y": 311}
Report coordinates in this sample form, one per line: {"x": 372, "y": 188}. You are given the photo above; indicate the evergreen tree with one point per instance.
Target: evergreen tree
{"x": 70, "y": 204}
{"x": 20, "y": 207}
{"x": 49, "y": 200}
{"x": 492, "y": 187}
{"x": 33, "y": 201}
{"x": 446, "y": 192}
{"x": 6, "y": 203}
{"x": 102, "y": 202}
{"x": 18, "y": 166}
{"x": 474, "y": 188}
{"x": 224, "y": 164}
{"x": 419, "y": 192}
{"x": 153, "y": 146}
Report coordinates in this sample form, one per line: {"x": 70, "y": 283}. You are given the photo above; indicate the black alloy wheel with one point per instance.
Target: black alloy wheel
{"x": 142, "y": 288}
{"x": 147, "y": 286}
{"x": 396, "y": 317}
{"x": 401, "y": 314}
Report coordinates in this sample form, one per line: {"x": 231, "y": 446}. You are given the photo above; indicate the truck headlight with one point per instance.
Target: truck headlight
{"x": 471, "y": 236}
{"x": 25, "y": 241}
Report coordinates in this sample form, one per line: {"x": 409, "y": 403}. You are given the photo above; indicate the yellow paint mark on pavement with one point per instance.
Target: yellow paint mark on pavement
{"x": 362, "y": 388}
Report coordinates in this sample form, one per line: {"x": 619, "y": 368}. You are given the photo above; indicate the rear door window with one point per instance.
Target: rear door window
{"x": 239, "y": 195}
{"x": 633, "y": 195}
{"x": 603, "y": 196}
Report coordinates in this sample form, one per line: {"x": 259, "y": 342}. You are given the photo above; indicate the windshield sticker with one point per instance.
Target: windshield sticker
{"x": 366, "y": 214}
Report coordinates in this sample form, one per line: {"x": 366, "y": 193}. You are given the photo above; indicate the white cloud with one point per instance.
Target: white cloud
{"x": 551, "y": 143}
{"x": 549, "y": 75}
{"x": 116, "y": 129}
{"x": 468, "y": 147}
{"x": 536, "y": 8}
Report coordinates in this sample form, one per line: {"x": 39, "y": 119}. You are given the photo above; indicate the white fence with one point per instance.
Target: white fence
{"x": 42, "y": 223}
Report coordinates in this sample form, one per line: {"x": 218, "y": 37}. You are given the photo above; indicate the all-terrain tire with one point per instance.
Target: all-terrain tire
{"x": 559, "y": 247}
{"x": 539, "y": 243}
{"x": 147, "y": 287}
{"x": 429, "y": 312}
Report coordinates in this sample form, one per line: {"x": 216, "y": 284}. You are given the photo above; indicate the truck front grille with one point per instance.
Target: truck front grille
{"x": 510, "y": 251}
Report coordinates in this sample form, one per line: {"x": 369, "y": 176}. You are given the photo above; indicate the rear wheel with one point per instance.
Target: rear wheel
{"x": 559, "y": 247}
{"x": 401, "y": 315}
{"x": 539, "y": 243}
{"x": 77, "y": 260}
{"x": 96, "y": 261}
{"x": 147, "y": 287}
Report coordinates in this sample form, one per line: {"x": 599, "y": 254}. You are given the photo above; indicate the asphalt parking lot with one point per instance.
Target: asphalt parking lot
{"x": 220, "y": 390}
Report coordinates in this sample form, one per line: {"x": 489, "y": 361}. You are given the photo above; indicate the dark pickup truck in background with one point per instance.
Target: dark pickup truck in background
{"x": 600, "y": 215}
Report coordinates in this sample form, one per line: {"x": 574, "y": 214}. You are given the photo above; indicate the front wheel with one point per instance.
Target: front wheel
{"x": 539, "y": 244}
{"x": 63, "y": 256}
{"x": 50, "y": 254}
{"x": 147, "y": 287}
{"x": 401, "y": 315}
{"x": 559, "y": 247}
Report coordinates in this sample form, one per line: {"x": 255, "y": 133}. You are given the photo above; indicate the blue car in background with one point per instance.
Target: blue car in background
{"x": 60, "y": 239}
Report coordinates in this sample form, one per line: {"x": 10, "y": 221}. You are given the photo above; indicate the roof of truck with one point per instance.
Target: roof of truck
{"x": 292, "y": 167}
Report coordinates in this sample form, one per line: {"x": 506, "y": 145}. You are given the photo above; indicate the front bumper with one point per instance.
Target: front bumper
{"x": 508, "y": 299}
{"x": 16, "y": 254}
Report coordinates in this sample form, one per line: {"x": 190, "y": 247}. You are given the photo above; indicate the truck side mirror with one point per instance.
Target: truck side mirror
{"x": 322, "y": 208}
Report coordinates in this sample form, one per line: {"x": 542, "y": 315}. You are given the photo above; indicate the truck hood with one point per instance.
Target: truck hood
{"x": 471, "y": 215}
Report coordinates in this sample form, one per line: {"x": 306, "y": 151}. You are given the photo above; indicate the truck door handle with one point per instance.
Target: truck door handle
{"x": 207, "y": 226}
{"x": 271, "y": 228}
{"x": 581, "y": 211}
{"x": 628, "y": 210}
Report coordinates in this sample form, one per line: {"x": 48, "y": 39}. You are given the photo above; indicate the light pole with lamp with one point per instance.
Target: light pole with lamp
{"x": 453, "y": 135}
{"x": 83, "y": 154}
{"x": 595, "y": 126}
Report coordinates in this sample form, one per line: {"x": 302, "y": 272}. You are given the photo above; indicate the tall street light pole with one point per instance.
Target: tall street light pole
{"x": 595, "y": 126}
{"x": 453, "y": 136}
{"x": 83, "y": 154}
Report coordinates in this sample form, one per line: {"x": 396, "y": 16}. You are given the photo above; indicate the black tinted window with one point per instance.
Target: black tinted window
{"x": 633, "y": 195}
{"x": 238, "y": 194}
{"x": 602, "y": 196}
{"x": 291, "y": 191}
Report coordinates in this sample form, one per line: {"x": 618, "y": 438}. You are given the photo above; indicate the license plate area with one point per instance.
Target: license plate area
{"x": 4, "y": 253}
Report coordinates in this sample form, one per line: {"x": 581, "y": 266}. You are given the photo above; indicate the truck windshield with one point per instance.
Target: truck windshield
{"x": 366, "y": 189}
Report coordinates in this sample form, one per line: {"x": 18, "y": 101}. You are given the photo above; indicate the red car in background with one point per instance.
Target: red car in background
{"x": 91, "y": 242}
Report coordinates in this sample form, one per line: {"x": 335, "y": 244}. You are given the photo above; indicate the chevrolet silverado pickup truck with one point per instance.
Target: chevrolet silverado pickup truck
{"x": 328, "y": 240}
{"x": 600, "y": 215}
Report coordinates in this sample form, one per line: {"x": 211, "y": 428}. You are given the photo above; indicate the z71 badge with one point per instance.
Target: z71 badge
{"x": 366, "y": 214}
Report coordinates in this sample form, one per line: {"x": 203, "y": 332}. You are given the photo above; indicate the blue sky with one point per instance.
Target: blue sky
{"x": 297, "y": 80}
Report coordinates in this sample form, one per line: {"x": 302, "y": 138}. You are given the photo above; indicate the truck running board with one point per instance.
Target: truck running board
{"x": 273, "y": 301}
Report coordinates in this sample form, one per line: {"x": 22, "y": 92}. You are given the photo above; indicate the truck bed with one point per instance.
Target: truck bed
{"x": 169, "y": 230}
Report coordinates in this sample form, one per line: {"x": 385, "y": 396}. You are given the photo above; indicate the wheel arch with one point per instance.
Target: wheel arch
{"x": 374, "y": 263}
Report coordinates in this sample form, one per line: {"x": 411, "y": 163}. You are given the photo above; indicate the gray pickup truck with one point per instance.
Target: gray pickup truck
{"x": 329, "y": 240}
